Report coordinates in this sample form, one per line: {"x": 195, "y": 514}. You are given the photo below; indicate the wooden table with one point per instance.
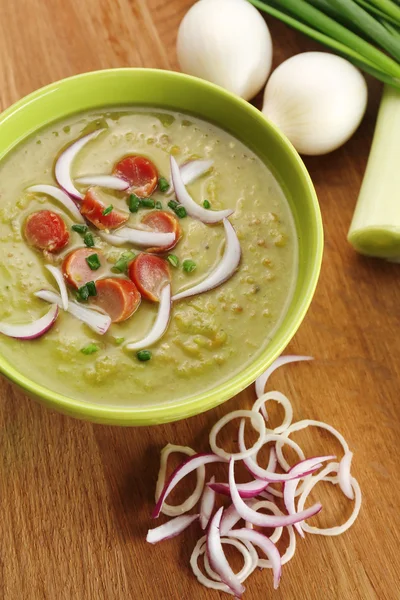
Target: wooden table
{"x": 75, "y": 497}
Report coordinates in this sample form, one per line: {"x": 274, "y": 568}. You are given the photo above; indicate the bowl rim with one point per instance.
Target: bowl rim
{"x": 190, "y": 406}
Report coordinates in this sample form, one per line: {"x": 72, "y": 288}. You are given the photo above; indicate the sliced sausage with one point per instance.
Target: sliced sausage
{"x": 141, "y": 173}
{"x": 164, "y": 222}
{"x": 76, "y": 269}
{"x": 92, "y": 208}
{"x": 46, "y": 230}
{"x": 118, "y": 297}
{"x": 149, "y": 273}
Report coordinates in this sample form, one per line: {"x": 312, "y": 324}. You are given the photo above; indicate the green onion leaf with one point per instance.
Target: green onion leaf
{"x": 93, "y": 261}
{"x": 173, "y": 205}
{"x": 181, "y": 212}
{"x": 91, "y": 288}
{"x": 79, "y": 228}
{"x": 173, "y": 260}
{"x": 189, "y": 265}
{"x": 119, "y": 340}
{"x": 158, "y": 205}
{"x": 144, "y": 355}
{"x": 107, "y": 210}
{"x": 148, "y": 203}
{"x": 90, "y": 349}
{"x": 88, "y": 239}
{"x": 134, "y": 203}
{"x": 83, "y": 293}
{"x": 206, "y": 204}
{"x": 163, "y": 184}
{"x": 122, "y": 263}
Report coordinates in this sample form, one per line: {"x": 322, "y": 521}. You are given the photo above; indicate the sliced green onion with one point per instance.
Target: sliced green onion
{"x": 158, "y": 205}
{"x": 173, "y": 260}
{"x": 82, "y": 293}
{"x": 148, "y": 203}
{"x": 134, "y": 203}
{"x": 90, "y": 349}
{"x": 88, "y": 239}
{"x": 181, "y": 212}
{"x": 119, "y": 340}
{"x": 189, "y": 265}
{"x": 93, "y": 261}
{"x": 107, "y": 210}
{"x": 91, "y": 287}
{"x": 206, "y": 204}
{"x": 79, "y": 228}
{"x": 143, "y": 355}
{"x": 122, "y": 263}
{"x": 163, "y": 184}
{"x": 173, "y": 205}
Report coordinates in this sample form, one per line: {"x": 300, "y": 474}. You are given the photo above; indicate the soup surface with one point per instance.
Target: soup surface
{"x": 211, "y": 336}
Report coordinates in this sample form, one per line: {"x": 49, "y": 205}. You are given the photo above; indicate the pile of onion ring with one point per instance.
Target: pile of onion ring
{"x": 220, "y": 524}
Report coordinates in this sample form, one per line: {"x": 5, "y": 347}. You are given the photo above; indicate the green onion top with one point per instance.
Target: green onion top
{"x": 122, "y": 263}
{"x": 82, "y": 293}
{"x": 189, "y": 265}
{"x": 181, "y": 212}
{"x": 134, "y": 203}
{"x": 119, "y": 340}
{"x": 173, "y": 260}
{"x": 79, "y": 228}
{"x": 173, "y": 204}
{"x": 93, "y": 261}
{"x": 107, "y": 210}
{"x": 88, "y": 239}
{"x": 90, "y": 349}
{"x": 144, "y": 355}
{"x": 91, "y": 287}
{"x": 148, "y": 203}
{"x": 163, "y": 184}
{"x": 206, "y": 204}
{"x": 158, "y": 205}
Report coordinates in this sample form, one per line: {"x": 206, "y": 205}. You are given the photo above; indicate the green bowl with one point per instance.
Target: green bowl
{"x": 212, "y": 103}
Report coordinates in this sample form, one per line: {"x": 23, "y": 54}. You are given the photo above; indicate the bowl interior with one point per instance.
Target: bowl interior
{"x": 176, "y": 91}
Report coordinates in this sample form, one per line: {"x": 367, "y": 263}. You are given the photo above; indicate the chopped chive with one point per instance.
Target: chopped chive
{"x": 173, "y": 260}
{"x": 122, "y": 263}
{"x": 83, "y": 293}
{"x": 90, "y": 349}
{"x": 172, "y": 204}
{"x": 91, "y": 287}
{"x": 206, "y": 204}
{"x": 144, "y": 355}
{"x": 93, "y": 261}
{"x": 119, "y": 340}
{"x": 107, "y": 210}
{"x": 181, "y": 212}
{"x": 134, "y": 203}
{"x": 189, "y": 265}
{"x": 79, "y": 228}
{"x": 88, "y": 239}
{"x": 163, "y": 184}
{"x": 148, "y": 203}
{"x": 158, "y": 205}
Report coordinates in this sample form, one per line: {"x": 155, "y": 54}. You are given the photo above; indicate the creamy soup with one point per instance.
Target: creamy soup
{"x": 211, "y": 335}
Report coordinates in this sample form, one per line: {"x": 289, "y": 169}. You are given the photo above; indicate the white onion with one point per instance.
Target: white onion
{"x": 110, "y": 182}
{"x": 98, "y": 321}
{"x": 61, "y": 197}
{"x": 191, "y": 170}
{"x": 138, "y": 237}
{"x": 193, "y": 209}
{"x": 225, "y": 269}
{"x": 171, "y": 529}
{"x": 33, "y": 330}
{"x": 64, "y": 164}
{"x": 160, "y": 324}
{"x": 261, "y": 381}
{"x": 58, "y": 276}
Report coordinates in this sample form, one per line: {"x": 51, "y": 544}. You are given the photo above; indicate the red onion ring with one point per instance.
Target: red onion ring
{"x": 207, "y": 504}
{"x": 191, "y": 501}
{"x": 225, "y": 269}
{"x": 171, "y": 529}
{"x": 272, "y": 507}
{"x": 64, "y": 164}
{"x": 258, "y": 424}
{"x": 61, "y": 197}
{"x": 218, "y": 559}
{"x": 268, "y": 547}
{"x": 160, "y": 324}
{"x": 111, "y": 182}
{"x": 344, "y": 475}
{"x": 261, "y": 381}
{"x": 193, "y": 209}
{"x": 283, "y": 401}
{"x": 33, "y": 330}
{"x": 58, "y": 276}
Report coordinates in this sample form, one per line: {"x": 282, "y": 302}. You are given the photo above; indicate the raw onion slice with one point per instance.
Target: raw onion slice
{"x": 289, "y": 489}
{"x": 266, "y": 545}
{"x": 286, "y": 556}
{"x": 98, "y": 321}
{"x": 225, "y": 269}
{"x": 33, "y": 330}
{"x": 261, "y": 381}
{"x": 138, "y": 237}
{"x": 171, "y": 529}
{"x": 191, "y": 501}
{"x": 64, "y": 164}
{"x": 111, "y": 182}
{"x": 61, "y": 197}
{"x": 191, "y": 464}
{"x": 191, "y": 170}
{"x": 344, "y": 475}
{"x": 193, "y": 209}
{"x": 258, "y": 424}
{"x": 281, "y": 399}
{"x": 248, "y": 514}
{"x": 218, "y": 559}
{"x": 160, "y": 324}
{"x": 303, "y": 425}
{"x": 246, "y": 490}
{"x": 231, "y": 516}
{"x": 268, "y": 496}
{"x": 330, "y": 531}
{"x": 59, "y": 277}
{"x": 250, "y": 562}
{"x": 272, "y": 507}
{"x": 207, "y": 504}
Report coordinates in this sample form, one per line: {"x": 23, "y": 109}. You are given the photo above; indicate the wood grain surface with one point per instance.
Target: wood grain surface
{"x": 75, "y": 498}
